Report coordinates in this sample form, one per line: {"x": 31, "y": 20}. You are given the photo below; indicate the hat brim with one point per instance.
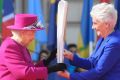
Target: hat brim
{"x": 13, "y": 27}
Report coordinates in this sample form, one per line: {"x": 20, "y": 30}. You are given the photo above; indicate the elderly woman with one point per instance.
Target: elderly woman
{"x": 104, "y": 63}
{"x": 15, "y": 60}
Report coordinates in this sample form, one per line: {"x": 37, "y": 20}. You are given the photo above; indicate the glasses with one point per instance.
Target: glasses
{"x": 36, "y": 25}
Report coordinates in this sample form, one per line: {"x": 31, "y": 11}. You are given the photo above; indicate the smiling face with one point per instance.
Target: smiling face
{"x": 27, "y": 36}
{"x": 104, "y": 17}
{"x": 100, "y": 27}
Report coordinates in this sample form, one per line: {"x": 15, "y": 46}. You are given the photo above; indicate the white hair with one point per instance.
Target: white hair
{"x": 105, "y": 12}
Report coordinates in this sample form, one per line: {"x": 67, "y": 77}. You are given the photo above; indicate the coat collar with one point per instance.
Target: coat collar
{"x": 111, "y": 35}
{"x": 101, "y": 42}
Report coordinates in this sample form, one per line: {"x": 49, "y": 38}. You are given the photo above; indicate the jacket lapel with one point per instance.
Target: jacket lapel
{"x": 98, "y": 44}
{"x": 99, "y": 49}
{"x": 99, "y": 52}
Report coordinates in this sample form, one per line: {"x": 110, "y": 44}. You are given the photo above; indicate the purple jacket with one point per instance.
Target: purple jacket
{"x": 16, "y": 63}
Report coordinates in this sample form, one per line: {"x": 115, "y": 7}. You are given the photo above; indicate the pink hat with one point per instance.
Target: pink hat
{"x": 26, "y": 22}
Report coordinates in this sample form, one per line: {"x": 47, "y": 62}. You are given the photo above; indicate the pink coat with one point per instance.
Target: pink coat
{"x": 16, "y": 63}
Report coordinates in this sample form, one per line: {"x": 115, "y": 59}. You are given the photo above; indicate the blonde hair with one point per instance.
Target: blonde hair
{"x": 105, "y": 12}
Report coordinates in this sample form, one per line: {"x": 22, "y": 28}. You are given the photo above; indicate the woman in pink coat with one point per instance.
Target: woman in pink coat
{"x": 15, "y": 60}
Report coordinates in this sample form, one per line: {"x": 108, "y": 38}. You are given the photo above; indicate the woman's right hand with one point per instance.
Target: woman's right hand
{"x": 67, "y": 54}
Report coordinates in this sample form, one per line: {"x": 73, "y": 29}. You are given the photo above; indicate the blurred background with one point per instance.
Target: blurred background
{"x": 79, "y": 37}
{"x": 78, "y": 28}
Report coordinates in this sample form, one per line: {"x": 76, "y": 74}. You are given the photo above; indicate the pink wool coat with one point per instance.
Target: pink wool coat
{"x": 16, "y": 63}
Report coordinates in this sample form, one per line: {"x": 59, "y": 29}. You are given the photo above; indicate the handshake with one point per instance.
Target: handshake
{"x": 57, "y": 67}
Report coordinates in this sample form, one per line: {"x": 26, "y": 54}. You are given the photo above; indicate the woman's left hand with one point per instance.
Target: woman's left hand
{"x": 64, "y": 74}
